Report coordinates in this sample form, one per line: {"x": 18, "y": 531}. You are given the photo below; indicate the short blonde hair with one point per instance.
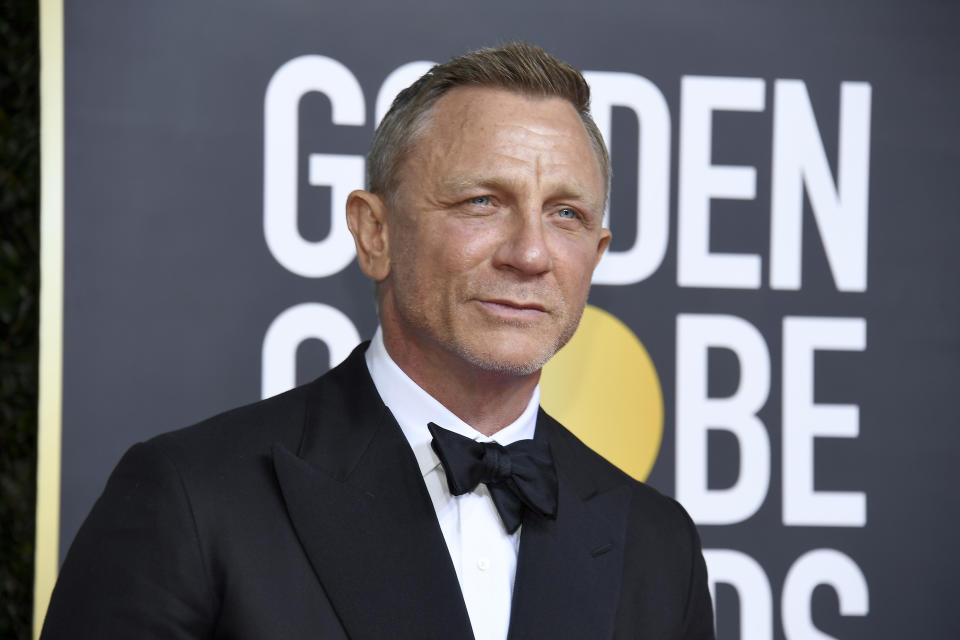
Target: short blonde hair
{"x": 520, "y": 67}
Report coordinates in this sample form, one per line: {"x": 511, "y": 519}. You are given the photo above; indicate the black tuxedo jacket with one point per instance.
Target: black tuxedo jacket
{"x": 306, "y": 516}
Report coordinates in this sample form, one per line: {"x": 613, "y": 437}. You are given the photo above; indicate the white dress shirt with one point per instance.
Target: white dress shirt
{"x": 483, "y": 553}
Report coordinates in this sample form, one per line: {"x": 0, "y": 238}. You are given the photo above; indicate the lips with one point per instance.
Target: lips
{"x": 512, "y": 304}
{"x": 513, "y": 310}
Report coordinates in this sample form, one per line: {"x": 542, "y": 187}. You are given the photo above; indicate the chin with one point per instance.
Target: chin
{"x": 511, "y": 367}
{"x": 523, "y": 360}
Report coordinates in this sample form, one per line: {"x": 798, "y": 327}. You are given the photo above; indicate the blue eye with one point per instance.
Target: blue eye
{"x": 481, "y": 200}
{"x": 569, "y": 214}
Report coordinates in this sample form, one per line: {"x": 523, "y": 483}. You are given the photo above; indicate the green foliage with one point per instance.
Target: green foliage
{"x": 19, "y": 288}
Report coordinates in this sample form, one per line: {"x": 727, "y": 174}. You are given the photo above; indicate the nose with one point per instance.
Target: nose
{"x": 523, "y": 248}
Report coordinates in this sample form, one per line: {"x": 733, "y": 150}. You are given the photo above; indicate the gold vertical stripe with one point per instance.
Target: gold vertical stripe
{"x": 46, "y": 554}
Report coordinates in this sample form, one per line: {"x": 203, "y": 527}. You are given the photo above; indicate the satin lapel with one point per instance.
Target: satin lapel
{"x": 569, "y": 569}
{"x": 363, "y": 515}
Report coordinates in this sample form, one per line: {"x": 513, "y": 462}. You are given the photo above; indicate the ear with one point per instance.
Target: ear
{"x": 602, "y": 245}
{"x": 366, "y": 218}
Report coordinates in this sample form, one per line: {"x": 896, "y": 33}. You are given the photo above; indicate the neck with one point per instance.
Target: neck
{"x": 486, "y": 400}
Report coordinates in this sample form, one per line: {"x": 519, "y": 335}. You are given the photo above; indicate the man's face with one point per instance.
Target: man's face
{"x": 494, "y": 232}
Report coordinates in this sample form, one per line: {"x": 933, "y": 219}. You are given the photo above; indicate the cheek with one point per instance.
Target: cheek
{"x": 429, "y": 264}
{"x": 457, "y": 249}
{"x": 575, "y": 270}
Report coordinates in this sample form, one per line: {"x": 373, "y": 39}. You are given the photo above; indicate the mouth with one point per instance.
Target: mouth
{"x": 513, "y": 309}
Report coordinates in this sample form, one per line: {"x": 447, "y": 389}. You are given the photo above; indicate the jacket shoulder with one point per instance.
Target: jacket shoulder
{"x": 243, "y": 430}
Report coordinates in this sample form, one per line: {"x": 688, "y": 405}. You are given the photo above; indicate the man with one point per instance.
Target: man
{"x": 370, "y": 503}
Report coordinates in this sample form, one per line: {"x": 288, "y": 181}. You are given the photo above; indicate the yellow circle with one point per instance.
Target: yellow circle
{"x": 604, "y": 388}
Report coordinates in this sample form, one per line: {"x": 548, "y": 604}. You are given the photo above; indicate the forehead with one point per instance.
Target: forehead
{"x": 475, "y": 128}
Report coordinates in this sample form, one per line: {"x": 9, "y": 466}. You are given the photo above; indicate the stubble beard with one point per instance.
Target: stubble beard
{"x": 412, "y": 308}
{"x": 484, "y": 356}
{"x": 492, "y": 364}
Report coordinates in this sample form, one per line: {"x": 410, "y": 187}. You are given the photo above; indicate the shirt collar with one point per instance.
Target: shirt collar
{"x": 413, "y": 408}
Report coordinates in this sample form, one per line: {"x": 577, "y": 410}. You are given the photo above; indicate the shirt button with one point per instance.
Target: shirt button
{"x": 483, "y": 564}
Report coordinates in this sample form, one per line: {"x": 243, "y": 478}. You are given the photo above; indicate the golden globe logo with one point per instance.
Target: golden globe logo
{"x": 603, "y": 385}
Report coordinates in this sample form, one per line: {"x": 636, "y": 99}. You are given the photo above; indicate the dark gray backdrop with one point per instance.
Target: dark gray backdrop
{"x": 170, "y": 285}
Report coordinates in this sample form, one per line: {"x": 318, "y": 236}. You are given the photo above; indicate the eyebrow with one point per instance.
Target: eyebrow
{"x": 468, "y": 181}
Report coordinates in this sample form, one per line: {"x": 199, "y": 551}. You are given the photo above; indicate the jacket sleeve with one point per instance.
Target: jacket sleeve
{"x": 136, "y": 568}
{"x": 698, "y": 614}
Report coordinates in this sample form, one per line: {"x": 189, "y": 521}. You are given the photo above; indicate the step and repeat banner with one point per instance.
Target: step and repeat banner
{"x": 773, "y": 337}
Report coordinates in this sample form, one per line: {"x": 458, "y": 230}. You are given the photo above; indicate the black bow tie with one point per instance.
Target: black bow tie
{"x": 519, "y": 476}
